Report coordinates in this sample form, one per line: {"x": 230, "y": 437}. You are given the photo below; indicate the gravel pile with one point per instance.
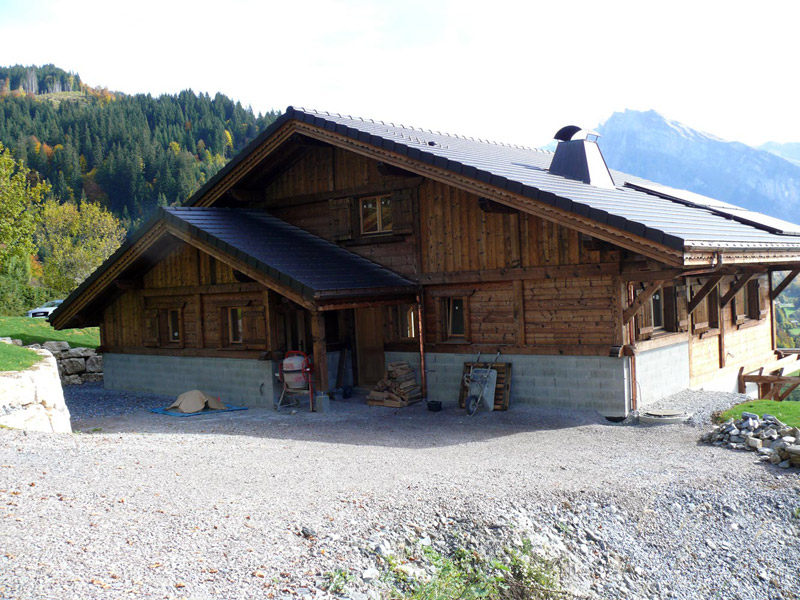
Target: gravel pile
{"x": 256, "y": 504}
{"x": 700, "y": 404}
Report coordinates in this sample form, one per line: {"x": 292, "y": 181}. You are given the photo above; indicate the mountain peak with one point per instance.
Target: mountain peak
{"x": 650, "y": 145}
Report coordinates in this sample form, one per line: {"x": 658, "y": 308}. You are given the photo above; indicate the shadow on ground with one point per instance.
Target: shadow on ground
{"x": 96, "y": 410}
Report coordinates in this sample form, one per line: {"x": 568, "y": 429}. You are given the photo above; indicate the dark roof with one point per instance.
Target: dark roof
{"x": 287, "y": 254}
{"x": 291, "y": 256}
{"x": 677, "y": 224}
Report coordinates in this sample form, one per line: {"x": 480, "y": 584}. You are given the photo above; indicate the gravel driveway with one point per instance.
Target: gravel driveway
{"x": 140, "y": 504}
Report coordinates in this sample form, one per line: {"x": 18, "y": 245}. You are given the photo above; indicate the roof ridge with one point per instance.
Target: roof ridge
{"x": 419, "y": 129}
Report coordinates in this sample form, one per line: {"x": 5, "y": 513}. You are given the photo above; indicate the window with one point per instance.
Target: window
{"x": 454, "y": 318}
{"x": 657, "y": 309}
{"x": 174, "y": 320}
{"x": 376, "y": 214}
{"x": 407, "y": 321}
{"x": 235, "y": 325}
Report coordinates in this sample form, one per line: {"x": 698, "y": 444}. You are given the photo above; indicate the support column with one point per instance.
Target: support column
{"x": 320, "y": 353}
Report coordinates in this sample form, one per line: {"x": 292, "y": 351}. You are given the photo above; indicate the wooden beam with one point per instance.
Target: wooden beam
{"x": 704, "y": 291}
{"x": 241, "y": 266}
{"x": 188, "y": 290}
{"x": 512, "y": 274}
{"x": 247, "y": 196}
{"x": 320, "y": 353}
{"x": 735, "y": 287}
{"x": 271, "y": 314}
{"x": 128, "y": 284}
{"x": 664, "y": 275}
{"x": 784, "y": 284}
{"x": 198, "y": 299}
{"x": 645, "y": 295}
{"x": 362, "y": 190}
{"x": 519, "y": 311}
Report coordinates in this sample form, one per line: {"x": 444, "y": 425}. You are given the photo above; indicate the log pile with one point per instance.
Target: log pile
{"x": 398, "y": 388}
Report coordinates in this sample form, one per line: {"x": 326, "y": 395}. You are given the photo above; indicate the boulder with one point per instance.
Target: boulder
{"x": 55, "y": 346}
{"x": 71, "y": 366}
{"x": 33, "y": 399}
{"x": 77, "y": 353}
{"x": 94, "y": 364}
{"x": 754, "y": 443}
{"x": 91, "y": 377}
{"x": 72, "y": 380}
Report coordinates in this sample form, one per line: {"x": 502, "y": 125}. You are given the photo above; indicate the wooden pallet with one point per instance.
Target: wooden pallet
{"x": 393, "y": 403}
{"x": 502, "y": 391}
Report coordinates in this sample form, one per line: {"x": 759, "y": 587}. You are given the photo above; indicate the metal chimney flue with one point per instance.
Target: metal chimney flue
{"x": 578, "y": 157}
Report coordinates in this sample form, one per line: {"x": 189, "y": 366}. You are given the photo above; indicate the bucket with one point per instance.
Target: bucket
{"x": 322, "y": 403}
{"x": 434, "y": 405}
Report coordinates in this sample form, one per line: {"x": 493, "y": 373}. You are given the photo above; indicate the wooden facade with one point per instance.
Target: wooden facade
{"x": 491, "y": 271}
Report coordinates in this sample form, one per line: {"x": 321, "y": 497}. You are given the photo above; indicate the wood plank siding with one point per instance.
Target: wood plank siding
{"x": 490, "y": 276}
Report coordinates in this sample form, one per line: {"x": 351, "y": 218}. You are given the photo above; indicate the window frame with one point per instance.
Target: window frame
{"x": 174, "y": 326}
{"x": 406, "y": 324}
{"x": 448, "y": 318}
{"x": 229, "y": 317}
{"x": 379, "y": 199}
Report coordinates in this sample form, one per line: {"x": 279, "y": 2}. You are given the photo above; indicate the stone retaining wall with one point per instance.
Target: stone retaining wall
{"x": 75, "y": 365}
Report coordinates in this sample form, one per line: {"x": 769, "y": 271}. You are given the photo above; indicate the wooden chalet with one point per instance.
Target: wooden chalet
{"x": 363, "y": 243}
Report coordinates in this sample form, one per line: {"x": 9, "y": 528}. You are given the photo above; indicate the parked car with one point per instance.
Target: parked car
{"x": 44, "y": 310}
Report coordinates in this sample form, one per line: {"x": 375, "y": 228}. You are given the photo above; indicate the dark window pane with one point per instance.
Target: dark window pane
{"x": 456, "y": 316}
{"x": 174, "y": 326}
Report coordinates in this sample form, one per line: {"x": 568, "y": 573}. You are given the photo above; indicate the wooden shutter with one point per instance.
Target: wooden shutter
{"x": 254, "y": 325}
{"x": 403, "y": 211}
{"x": 341, "y": 218}
{"x": 150, "y": 333}
{"x": 700, "y": 314}
{"x": 681, "y": 308}
{"x": 670, "y": 309}
{"x": 763, "y": 300}
{"x": 754, "y": 304}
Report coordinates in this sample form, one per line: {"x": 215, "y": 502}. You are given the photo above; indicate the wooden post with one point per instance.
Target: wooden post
{"x": 270, "y": 314}
{"x": 519, "y": 311}
{"x": 320, "y": 354}
{"x": 423, "y": 377}
{"x": 201, "y": 333}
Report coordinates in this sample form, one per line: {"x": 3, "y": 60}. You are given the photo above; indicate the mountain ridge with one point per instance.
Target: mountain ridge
{"x": 649, "y": 145}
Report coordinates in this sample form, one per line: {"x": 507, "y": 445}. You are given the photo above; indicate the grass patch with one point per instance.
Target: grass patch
{"x": 38, "y": 331}
{"x": 14, "y": 358}
{"x": 466, "y": 576}
{"x": 795, "y": 331}
{"x": 787, "y": 411}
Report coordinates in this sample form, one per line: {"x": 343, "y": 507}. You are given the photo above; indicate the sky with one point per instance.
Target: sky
{"x": 507, "y": 71}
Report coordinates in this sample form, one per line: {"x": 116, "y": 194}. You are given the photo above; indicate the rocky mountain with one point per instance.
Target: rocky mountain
{"x": 651, "y": 146}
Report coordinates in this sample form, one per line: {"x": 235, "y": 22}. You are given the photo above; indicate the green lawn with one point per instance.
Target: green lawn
{"x": 787, "y": 411}
{"x": 37, "y": 331}
{"x": 794, "y": 331}
{"x": 14, "y": 358}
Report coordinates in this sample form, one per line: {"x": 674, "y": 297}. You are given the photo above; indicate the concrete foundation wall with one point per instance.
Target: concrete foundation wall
{"x": 662, "y": 372}
{"x": 590, "y": 382}
{"x": 237, "y": 381}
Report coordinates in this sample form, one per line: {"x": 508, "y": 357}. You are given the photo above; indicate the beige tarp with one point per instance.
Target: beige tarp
{"x": 195, "y": 401}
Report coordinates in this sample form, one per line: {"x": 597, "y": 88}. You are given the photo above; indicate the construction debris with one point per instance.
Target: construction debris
{"x": 398, "y": 388}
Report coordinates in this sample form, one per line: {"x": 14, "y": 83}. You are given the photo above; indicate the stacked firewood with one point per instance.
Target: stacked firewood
{"x": 398, "y": 388}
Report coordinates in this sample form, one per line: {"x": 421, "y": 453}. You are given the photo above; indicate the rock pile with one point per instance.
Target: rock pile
{"x": 75, "y": 365}
{"x": 773, "y": 440}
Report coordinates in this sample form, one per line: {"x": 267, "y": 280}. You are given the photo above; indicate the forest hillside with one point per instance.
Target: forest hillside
{"x": 129, "y": 153}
